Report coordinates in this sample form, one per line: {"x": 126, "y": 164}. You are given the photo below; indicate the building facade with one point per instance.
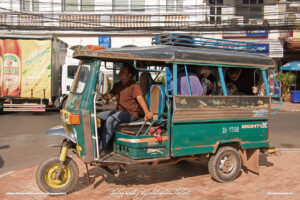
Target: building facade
{"x": 135, "y": 22}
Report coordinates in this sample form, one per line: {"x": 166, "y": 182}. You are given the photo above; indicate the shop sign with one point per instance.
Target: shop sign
{"x": 104, "y": 41}
{"x": 263, "y": 48}
{"x": 257, "y": 33}
{"x": 246, "y": 34}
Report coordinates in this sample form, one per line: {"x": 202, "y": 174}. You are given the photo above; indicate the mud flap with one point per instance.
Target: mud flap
{"x": 250, "y": 159}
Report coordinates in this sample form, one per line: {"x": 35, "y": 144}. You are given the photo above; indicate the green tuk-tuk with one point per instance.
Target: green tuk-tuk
{"x": 228, "y": 130}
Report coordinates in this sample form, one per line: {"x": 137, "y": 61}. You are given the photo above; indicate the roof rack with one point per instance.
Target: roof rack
{"x": 176, "y": 39}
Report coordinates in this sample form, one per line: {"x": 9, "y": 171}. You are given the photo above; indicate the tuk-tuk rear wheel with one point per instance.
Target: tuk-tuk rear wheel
{"x": 46, "y": 174}
{"x": 225, "y": 165}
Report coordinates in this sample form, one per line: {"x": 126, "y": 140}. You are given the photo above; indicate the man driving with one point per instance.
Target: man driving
{"x": 129, "y": 100}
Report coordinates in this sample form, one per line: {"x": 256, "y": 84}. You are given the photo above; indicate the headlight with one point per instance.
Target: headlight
{"x": 66, "y": 117}
{"x": 70, "y": 118}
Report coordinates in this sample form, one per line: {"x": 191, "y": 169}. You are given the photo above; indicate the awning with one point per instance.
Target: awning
{"x": 293, "y": 66}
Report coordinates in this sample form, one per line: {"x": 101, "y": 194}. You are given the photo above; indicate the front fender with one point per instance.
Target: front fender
{"x": 64, "y": 131}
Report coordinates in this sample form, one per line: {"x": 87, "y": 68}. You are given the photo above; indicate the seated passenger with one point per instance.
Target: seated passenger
{"x": 129, "y": 100}
{"x": 183, "y": 83}
{"x": 242, "y": 81}
{"x": 207, "y": 80}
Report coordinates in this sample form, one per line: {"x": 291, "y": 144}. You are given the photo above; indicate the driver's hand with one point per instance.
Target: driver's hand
{"x": 105, "y": 96}
{"x": 149, "y": 116}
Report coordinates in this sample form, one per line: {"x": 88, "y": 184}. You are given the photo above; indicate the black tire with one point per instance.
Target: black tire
{"x": 68, "y": 179}
{"x": 225, "y": 165}
{"x": 63, "y": 105}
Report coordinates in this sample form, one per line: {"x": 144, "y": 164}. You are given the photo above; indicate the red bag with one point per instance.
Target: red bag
{"x": 156, "y": 132}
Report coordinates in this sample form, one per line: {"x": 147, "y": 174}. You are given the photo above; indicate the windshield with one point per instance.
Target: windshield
{"x": 81, "y": 78}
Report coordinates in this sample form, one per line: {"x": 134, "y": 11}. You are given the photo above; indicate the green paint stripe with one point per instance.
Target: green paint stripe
{"x": 218, "y": 121}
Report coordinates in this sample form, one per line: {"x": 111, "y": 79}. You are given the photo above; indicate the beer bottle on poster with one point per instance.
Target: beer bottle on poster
{"x": 1, "y": 66}
{"x": 11, "y": 68}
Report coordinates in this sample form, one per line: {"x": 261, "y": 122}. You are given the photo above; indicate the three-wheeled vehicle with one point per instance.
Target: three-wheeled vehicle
{"x": 228, "y": 130}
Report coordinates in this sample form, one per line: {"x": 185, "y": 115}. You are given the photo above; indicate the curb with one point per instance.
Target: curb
{"x": 289, "y": 110}
{"x": 288, "y": 149}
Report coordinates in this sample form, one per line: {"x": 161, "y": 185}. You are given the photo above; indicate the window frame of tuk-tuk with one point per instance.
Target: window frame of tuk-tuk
{"x": 221, "y": 75}
{"x": 82, "y": 62}
{"x": 165, "y": 89}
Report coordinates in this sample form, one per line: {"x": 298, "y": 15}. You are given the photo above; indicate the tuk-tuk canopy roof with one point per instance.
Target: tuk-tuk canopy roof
{"x": 172, "y": 54}
{"x": 293, "y": 66}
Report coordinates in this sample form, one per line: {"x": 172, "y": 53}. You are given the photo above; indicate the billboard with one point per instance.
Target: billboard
{"x": 25, "y": 68}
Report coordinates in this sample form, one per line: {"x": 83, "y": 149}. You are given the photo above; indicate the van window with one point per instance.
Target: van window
{"x": 72, "y": 71}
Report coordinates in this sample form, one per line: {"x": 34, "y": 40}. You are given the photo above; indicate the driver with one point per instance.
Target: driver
{"x": 129, "y": 100}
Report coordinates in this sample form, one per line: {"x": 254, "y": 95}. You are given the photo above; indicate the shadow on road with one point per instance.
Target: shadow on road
{"x": 1, "y": 160}
{"x": 263, "y": 161}
{"x": 287, "y": 145}
{"x": 143, "y": 174}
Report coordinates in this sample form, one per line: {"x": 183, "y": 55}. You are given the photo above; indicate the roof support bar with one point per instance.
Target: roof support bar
{"x": 187, "y": 80}
{"x": 220, "y": 69}
{"x": 264, "y": 75}
{"x": 174, "y": 79}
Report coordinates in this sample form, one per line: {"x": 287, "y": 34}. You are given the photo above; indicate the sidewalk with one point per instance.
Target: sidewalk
{"x": 279, "y": 179}
{"x": 289, "y": 107}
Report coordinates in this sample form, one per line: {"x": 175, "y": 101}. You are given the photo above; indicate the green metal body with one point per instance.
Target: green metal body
{"x": 189, "y": 138}
{"x": 140, "y": 147}
{"x": 197, "y": 137}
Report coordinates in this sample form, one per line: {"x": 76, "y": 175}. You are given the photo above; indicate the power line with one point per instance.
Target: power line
{"x": 102, "y": 20}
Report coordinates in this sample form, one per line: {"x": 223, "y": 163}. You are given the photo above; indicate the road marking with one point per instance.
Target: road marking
{"x": 5, "y": 174}
{"x": 31, "y": 193}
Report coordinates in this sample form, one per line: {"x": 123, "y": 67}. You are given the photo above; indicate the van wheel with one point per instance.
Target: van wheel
{"x": 63, "y": 105}
{"x": 225, "y": 165}
{"x": 46, "y": 172}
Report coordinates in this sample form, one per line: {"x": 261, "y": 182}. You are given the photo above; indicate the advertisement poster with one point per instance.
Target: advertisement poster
{"x": 26, "y": 69}
{"x": 1, "y": 66}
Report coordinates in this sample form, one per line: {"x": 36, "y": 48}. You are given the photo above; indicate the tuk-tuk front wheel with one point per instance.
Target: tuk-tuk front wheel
{"x": 46, "y": 176}
{"x": 225, "y": 165}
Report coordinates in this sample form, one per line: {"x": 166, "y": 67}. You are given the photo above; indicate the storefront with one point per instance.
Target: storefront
{"x": 267, "y": 41}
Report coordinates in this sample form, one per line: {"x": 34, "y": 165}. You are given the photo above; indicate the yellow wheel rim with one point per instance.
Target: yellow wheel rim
{"x": 63, "y": 180}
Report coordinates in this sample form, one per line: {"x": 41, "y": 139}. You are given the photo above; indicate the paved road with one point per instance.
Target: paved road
{"x": 285, "y": 130}
{"x": 23, "y": 140}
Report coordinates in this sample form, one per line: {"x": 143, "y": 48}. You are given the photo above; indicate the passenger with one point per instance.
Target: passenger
{"x": 243, "y": 81}
{"x": 183, "y": 83}
{"x": 207, "y": 80}
{"x": 129, "y": 97}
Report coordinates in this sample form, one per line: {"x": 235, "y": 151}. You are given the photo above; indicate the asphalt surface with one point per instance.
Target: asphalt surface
{"x": 285, "y": 130}
{"x": 23, "y": 140}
